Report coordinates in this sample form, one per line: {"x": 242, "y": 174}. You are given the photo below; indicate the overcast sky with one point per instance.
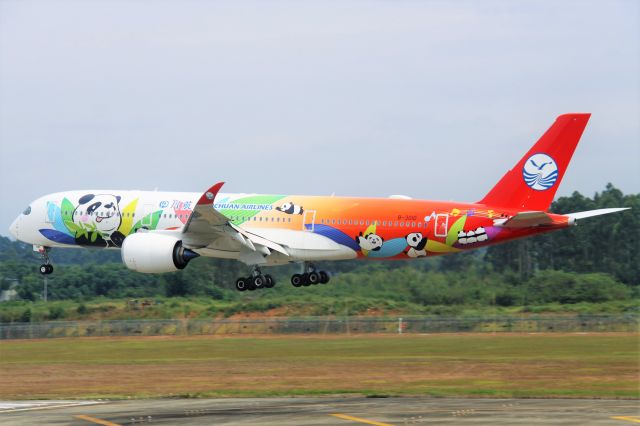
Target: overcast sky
{"x": 431, "y": 99}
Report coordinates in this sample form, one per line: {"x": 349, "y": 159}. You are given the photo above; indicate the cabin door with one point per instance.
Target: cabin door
{"x": 309, "y": 220}
{"x": 442, "y": 225}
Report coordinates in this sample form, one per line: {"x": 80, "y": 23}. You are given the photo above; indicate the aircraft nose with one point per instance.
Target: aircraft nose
{"x": 13, "y": 229}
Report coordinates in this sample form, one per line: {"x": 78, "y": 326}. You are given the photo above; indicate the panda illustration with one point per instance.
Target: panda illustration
{"x": 481, "y": 234}
{"x": 99, "y": 214}
{"x": 290, "y": 208}
{"x": 462, "y": 237}
{"x": 471, "y": 237}
{"x": 369, "y": 242}
{"x": 417, "y": 243}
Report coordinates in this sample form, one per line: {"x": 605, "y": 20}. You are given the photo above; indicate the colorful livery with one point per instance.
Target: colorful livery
{"x": 163, "y": 231}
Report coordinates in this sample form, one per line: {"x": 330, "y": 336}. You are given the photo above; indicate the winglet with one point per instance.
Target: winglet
{"x": 210, "y": 194}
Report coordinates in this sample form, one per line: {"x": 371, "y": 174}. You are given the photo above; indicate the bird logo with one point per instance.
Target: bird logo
{"x": 540, "y": 172}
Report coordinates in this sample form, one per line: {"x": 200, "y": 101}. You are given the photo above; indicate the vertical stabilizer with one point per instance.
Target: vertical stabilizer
{"x": 532, "y": 183}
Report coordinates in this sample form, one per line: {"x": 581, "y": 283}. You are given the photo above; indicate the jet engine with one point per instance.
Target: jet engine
{"x": 154, "y": 253}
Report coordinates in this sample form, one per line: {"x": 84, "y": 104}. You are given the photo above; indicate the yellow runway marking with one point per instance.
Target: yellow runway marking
{"x": 632, "y": 419}
{"x": 359, "y": 420}
{"x": 96, "y": 421}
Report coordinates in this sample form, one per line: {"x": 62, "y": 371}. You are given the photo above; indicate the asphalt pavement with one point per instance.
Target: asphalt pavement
{"x": 330, "y": 411}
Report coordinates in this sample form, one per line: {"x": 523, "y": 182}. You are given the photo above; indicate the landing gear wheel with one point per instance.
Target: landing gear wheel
{"x": 305, "y": 280}
{"x": 259, "y": 281}
{"x": 49, "y": 269}
{"x": 269, "y": 281}
{"x": 44, "y": 269}
{"x": 296, "y": 280}
{"x": 250, "y": 285}
{"x": 324, "y": 277}
{"x": 241, "y": 284}
{"x": 313, "y": 277}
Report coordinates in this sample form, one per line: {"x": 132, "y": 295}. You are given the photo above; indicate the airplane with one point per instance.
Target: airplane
{"x": 159, "y": 232}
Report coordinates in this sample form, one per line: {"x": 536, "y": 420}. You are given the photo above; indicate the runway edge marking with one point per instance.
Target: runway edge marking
{"x": 51, "y": 407}
{"x": 96, "y": 421}
{"x": 632, "y": 419}
{"x": 359, "y": 420}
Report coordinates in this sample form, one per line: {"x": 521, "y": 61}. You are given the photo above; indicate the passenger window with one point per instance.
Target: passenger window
{"x": 396, "y": 224}
{"x": 362, "y": 222}
{"x": 413, "y": 224}
{"x": 419, "y": 224}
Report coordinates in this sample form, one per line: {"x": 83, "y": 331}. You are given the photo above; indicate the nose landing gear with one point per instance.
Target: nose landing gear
{"x": 46, "y": 268}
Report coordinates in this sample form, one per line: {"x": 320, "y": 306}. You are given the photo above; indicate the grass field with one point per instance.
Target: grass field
{"x": 492, "y": 365}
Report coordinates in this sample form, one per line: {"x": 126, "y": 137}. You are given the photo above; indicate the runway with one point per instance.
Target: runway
{"x": 331, "y": 411}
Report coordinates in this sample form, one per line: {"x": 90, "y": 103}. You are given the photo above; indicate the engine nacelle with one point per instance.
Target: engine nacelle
{"x": 153, "y": 253}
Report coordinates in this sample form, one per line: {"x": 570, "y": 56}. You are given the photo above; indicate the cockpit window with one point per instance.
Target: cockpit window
{"x": 27, "y": 211}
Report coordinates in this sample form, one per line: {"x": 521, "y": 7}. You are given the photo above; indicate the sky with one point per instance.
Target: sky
{"x": 430, "y": 99}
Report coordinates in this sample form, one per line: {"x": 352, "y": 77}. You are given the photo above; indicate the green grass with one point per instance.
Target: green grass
{"x": 539, "y": 365}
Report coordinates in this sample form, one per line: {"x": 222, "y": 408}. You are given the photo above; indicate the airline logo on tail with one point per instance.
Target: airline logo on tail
{"x": 540, "y": 172}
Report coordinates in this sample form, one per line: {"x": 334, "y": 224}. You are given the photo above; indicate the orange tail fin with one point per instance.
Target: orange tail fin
{"x": 534, "y": 180}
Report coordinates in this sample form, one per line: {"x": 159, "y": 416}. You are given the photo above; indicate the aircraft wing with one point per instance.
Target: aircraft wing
{"x": 208, "y": 228}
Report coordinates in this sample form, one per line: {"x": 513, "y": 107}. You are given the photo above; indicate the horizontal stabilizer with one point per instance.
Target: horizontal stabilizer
{"x": 591, "y": 213}
{"x": 525, "y": 220}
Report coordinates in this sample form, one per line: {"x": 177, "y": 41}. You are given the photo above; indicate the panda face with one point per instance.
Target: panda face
{"x": 374, "y": 240}
{"x": 370, "y": 242}
{"x": 101, "y": 211}
{"x": 286, "y": 206}
{"x": 416, "y": 240}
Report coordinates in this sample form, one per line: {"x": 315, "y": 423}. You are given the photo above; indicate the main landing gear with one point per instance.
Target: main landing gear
{"x": 46, "y": 268}
{"x": 255, "y": 282}
{"x": 310, "y": 277}
{"x": 258, "y": 281}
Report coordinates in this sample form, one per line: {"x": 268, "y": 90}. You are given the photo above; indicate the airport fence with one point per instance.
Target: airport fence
{"x": 320, "y": 325}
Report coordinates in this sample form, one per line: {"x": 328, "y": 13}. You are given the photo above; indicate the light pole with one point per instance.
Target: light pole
{"x": 45, "y": 289}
